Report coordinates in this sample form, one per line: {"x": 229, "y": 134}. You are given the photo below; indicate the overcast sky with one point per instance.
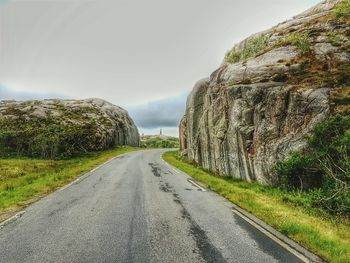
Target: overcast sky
{"x": 142, "y": 55}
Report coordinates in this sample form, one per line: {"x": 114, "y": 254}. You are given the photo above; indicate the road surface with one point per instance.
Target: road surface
{"x": 135, "y": 208}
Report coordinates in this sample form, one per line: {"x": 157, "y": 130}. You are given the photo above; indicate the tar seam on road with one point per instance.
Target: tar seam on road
{"x": 207, "y": 250}
{"x": 300, "y": 252}
{"x": 155, "y": 169}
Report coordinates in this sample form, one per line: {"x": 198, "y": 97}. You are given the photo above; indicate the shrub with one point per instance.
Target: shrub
{"x": 47, "y": 139}
{"x": 331, "y": 142}
{"x": 299, "y": 172}
{"x": 253, "y": 47}
{"x": 324, "y": 169}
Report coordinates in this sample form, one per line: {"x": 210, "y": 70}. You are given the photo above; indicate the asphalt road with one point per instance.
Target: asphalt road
{"x": 135, "y": 208}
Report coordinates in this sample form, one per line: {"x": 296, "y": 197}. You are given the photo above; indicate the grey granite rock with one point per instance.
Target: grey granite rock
{"x": 115, "y": 127}
{"x": 250, "y": 114}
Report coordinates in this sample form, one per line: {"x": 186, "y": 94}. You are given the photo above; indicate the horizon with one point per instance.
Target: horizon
{"x": 139, "y": 67}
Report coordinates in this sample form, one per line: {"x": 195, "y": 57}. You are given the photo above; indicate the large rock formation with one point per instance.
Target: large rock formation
{"x": 64, "y": 127}
{"x": 267, "y": 95}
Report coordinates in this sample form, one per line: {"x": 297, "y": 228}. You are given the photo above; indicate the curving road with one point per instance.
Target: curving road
{"x": 135, "y": 208}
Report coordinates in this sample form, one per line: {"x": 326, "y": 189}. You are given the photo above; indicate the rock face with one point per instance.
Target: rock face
{"x": 91, "y": 124}
{"x": 267, "y": 95}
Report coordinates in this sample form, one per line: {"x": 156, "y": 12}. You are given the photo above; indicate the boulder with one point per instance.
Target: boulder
{"x": 255, "y": 109}
{"x": 64, "y": 127}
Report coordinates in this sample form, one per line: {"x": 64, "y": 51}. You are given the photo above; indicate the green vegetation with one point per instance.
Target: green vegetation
{"x": 293, "y": 175}
{"x": 287, "y": 211}
{"x": 323, "y": 170}
{"x": 299, "y": 39}
{"x": 337, "y": 39}
{"x": 150, "y": 141}
{"x": 46, "y": 138}
{"x": 23, "y": 179}
{"x": 63, "y": 133}
{"x": 341, "y": 12}
{"x": 252, "y": 48}
{"x": 259, "y": 44}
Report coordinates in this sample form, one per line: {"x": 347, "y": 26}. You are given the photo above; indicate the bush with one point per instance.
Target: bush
{"x": 47, "y": 139}
{"x": 252, "y": 48}
{"x": 299, "y": 172}
{"x": 324, "y": 169}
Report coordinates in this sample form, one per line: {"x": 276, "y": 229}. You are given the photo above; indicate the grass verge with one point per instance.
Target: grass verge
{"x": 23, "y": 180}
{"x": 326, "y": 236}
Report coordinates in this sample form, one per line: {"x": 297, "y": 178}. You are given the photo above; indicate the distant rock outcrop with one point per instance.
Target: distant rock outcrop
{"x": 268, "y": 94}
{"x": 49, "y": 128}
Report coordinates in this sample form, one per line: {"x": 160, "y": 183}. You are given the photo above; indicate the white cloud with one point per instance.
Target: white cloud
{"x": 159, "y": 114}
{"x": 11, "y": 94}
{"x": 129, "y": 52}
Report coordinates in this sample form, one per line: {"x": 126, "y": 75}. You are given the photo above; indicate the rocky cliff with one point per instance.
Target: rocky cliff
{"x": 269, "y": 92}
{"x": 51, "y": 128}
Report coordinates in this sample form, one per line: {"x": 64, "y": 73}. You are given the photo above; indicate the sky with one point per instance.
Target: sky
{"x": 142, "y": 55}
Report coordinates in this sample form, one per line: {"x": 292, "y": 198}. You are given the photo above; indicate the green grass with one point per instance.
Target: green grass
{"x": 152, "y": 142}
{"x": 299, "y": 39}
{"x": 337, "y": 39}
{"x": 260, "y": 44}
{"x": 326, "y": 236}
{"x": 341, "y": 12}
{"x": 22, "y": 180}
{"x": 251, "y": 49}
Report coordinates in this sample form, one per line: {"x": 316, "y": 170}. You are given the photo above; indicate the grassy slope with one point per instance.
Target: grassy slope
{"x": 23, "y": 180}
{"x": 158, "y": 142}
{"x": 326, "y": 236}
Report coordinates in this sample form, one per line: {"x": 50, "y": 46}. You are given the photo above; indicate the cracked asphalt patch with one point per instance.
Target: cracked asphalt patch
{"x": 204, "y": 247}
{"x": 155, "y": 169}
